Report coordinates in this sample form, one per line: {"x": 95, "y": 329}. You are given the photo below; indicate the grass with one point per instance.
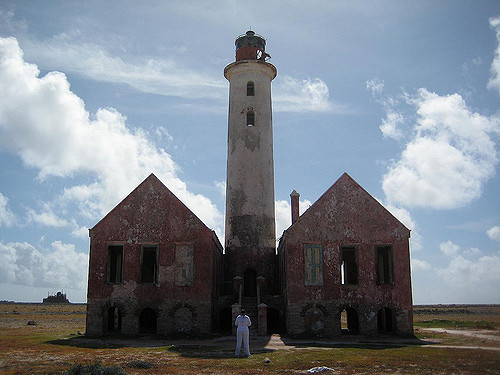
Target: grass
{"x": 38, "y": 349}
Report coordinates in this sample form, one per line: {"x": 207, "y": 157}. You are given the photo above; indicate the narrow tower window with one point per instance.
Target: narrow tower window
{"x": 384, "y": 265}
{"x": 349, "y": 269}
{"x": 250, "y": 89}
{"x": 114, "y": 264}
{"x": 250, "y": 118}
{"x": 149, "y": 265}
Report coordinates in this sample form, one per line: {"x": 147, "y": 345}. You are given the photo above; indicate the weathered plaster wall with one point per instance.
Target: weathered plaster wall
{"x": 250, "y": 169}
{"x": 346, "y": 215}
{"x": 152, "y": 215}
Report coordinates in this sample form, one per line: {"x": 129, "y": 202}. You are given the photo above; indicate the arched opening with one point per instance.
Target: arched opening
{"x": 385, "y": 320}
{"x": 250, "y": 118}
{"x": 114, "y": 319}
{"x": 250, "y": 283}
{"x": 273, "y": 321}
{"x": 183, "y": 320}
{"x": 225, "y": 320}
{"x": 349, "y": 320}
{"x": 250, "y": 89}
{"x": 314, "y": 322}
{"x": 147, "y": 321}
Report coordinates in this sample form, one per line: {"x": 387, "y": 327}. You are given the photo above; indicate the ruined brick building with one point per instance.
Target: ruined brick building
{"x": 156, "y": 268}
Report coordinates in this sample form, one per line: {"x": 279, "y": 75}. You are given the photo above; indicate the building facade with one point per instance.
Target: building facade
{"x": 156, "y": 268}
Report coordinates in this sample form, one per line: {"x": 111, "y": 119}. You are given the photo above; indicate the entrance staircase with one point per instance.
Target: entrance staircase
{"x": 249, "y": 304}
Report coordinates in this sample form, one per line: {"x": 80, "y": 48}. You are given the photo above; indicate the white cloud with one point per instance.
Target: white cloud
{"x": 494, "y": 233}
{"x": 298, "y": 95}
{"x": 163, "y": 77}
{"x": 403, "y": 215}
{"x": 81, "y": 232}
{"x": 7, "y": 217}
{"x": 59, "y": 267}
{"x": 494, "y": 81}
{"x": 221, "y": 186}
{"x": 283, "y": 214}
{"x": 449, "y": 248}
{"x": 481, "y": 275}
{"x": 46, "y": 124}
{"x": 449, "y": 157}
{"x": 391, "y": 126}
{"x": 169, "y": 77}
{"x": 375, "y": 85}
{"x": 420, "y": 265}
{"x": 47, "y": 218}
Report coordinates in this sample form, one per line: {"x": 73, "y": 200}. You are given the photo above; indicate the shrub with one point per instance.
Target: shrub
{"x": 95, "y": 369}
{"x": 140, "y": 364}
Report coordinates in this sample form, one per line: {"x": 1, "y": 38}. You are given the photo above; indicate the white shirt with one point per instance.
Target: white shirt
{"x": 242, "y": 322}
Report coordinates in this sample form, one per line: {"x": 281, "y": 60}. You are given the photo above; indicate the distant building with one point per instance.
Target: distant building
{"x": 156, "y": 268}
{"x": 59, "y": 297}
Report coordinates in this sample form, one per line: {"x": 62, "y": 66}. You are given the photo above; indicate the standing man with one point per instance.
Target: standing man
{"x": 242, "y": 322}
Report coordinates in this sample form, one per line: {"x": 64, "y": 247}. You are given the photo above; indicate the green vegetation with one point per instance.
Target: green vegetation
{"x": 445, "y": 323}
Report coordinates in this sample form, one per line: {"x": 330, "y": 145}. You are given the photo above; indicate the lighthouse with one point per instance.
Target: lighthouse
{"x": 250, "y": 219}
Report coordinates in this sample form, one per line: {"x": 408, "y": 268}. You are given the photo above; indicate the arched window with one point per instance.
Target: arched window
{"x": 250, "y": 118}
{"x": 250, "y": 89}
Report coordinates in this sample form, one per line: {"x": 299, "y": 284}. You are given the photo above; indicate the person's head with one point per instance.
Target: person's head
{"x": 242, "y": 312}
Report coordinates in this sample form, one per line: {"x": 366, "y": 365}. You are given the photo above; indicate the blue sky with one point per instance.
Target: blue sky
{"x": 96, "y": 95}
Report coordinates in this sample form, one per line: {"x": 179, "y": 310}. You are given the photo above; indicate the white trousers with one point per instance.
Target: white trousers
{"x": 242, "y": 334}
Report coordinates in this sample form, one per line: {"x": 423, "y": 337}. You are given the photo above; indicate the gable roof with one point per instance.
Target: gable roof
{"x": 155, "y": 184}
{"x": 345, "y": 195}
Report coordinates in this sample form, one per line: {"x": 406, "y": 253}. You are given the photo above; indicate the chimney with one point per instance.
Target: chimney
{"x": 294, "y": 197}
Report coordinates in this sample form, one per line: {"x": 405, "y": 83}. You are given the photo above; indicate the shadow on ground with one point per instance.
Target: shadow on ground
{"x": 223, "y": 347}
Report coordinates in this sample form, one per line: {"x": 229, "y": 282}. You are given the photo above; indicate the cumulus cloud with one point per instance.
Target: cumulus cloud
{"x": 494, "y": 233}
{"x": 404, "y": 216}
{"x": 221, "y": 187}
{"x": 449, "y": 248}
{"x": 480, "y": 274}
{"x": 375, "y": 85}
{"x": 7, "y": 217}
{"x": 420, "y": 265}
{"x": 297, "y": 95}
{"x": 46, "y": 124}
{"x": 283, "y": 214}
{"x": 448, "y": 159}
{"x": 391, "y": 125}
{"x": 494, "y": 81}
{"x": 60, "y": 266}
{"x": 47, "y": 218}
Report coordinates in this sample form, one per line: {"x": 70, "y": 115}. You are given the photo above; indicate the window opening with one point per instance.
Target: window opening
{"x": 114, "y": 262}
{"x": 384, "y": 265}
{"x": 313, "y": 259}
{"x": 147, "y": 321}
{"x": 250, "y": 89}
{"x": 349, "y": 320}
{"x": 149, "y": 264}
{"x": 385, "y": 320}
{"x": 349, "y": 268}
{"x": 250, "y": 118}
{"x": 250, "y": 283}
{"x": 114, "y": 319}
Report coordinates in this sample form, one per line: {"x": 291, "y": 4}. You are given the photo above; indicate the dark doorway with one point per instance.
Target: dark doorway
{"x": 147, "y": 321}
{"x": 385, "y": 320}
{"x": 225, "y": 320}
{"x": 273, "y": 321}
{"x": 350, "y": 321}
{"x": 250, "y": 283}
{"x": 114, "y": 319}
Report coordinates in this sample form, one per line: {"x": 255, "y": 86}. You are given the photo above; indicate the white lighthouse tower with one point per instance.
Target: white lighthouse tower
{"x": 250, "y": 219}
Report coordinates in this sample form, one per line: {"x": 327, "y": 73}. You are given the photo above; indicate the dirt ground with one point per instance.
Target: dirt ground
{"x": 449, "y": 339}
